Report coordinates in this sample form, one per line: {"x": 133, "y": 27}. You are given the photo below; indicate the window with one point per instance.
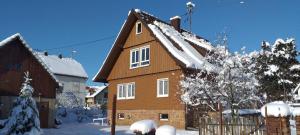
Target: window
{"x": 134, "y": 58}
{"x": 121, "y": 91}
{"x": 121, "y": 116}
{"x": 140, "y": 57}
{"x": 126, "y": 91}
{"x": 163, "y": 116}
{"x": 163, "y": 87}
{"x": 138, "y": 28}
{"x": 145, "y": 56}
{"x": 130, "y": 90}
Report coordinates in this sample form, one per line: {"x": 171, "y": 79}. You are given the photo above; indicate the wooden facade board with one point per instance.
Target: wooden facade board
{"x": 15, "y": 59}
{"x": 146, "y": 93}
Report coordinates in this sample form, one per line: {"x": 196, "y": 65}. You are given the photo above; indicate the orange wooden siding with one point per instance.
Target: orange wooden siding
{"x": 146, "y": 93}
{"x": 160, "y": 59}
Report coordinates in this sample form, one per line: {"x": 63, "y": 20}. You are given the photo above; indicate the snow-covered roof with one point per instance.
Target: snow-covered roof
{"x": 63, "y": 66}
{"x": 98, "y": 89}
{"x": 187, "y": 48}
{"x": 18, "y": 36}
{"x": 181, "y": 44}
{"x": 185, "y": 52}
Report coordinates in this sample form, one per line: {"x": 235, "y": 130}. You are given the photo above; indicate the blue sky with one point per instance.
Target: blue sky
{"x": 55, "y": 23}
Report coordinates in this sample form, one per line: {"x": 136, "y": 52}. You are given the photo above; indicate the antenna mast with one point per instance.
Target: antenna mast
{"x": 190, "y": 6}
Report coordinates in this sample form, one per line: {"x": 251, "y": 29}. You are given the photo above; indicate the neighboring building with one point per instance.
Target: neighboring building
{"x": 71, "y": 75}
{"x": 51, "y": 76}
{"x": 16, "y": 57}
{"x": 145, "y": 65}
{"x": 97, "y": 96}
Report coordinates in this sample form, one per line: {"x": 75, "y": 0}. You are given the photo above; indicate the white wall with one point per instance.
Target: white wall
{"x": 75, "y": 85}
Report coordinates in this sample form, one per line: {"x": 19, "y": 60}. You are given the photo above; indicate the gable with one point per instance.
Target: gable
{"x": 15, "y": 59}
{"x": 185, "y": 48}
{"x": 160, "y": 59}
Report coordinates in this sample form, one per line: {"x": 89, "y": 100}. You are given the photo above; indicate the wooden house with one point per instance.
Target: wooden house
{"x": 97, "y": 96}
{"x": 144, "y": 68}
{"x": 16, "y": 57}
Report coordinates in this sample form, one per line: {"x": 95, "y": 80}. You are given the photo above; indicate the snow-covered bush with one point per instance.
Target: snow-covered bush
{"x": 166, "y": 130}
{"x": 276, "y": 109}
{"x": 24, "y": 117}
{"x": 69, "y": 99}
{"x": 230, "y": 81}
{"x": 78, "y": 114}
{"x": 144, "y": 127}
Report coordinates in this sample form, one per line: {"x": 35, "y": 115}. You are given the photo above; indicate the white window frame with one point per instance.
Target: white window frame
{"x": 118, "y": 92}
{"x": 136, "y": 62}
{"x": 132, "y": 84}
{"x": 141, "y": 51}
{"x": 136, "y": 28}
{"x": 168, "y": 88}
{"x": 162, "y": 119}
{"x": 139, "y": 62}
{"x": 125, "y": 89}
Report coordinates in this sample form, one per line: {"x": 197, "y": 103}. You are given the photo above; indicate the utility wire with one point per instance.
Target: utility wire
{"x": 80, "y": 43}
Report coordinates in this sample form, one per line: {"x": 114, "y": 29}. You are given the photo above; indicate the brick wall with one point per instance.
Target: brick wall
{"x": 176, "y": 117}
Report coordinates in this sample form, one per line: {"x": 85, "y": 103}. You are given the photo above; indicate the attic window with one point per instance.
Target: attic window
{"x": 138, "y": 28}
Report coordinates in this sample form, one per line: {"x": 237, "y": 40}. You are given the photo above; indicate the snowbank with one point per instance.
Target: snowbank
{"x": 275, "y": 109}
{"x": 143, "y": 126}
{"x": 166, "y": 130}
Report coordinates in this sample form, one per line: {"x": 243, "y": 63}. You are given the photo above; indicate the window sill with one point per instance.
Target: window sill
{"x": 162, "y": 96}
{"x": 164, "y": 119}
{"x": 141, "y": 66}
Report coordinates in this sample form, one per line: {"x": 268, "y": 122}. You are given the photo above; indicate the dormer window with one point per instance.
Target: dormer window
{"x": 138, "y": 28}
{"x": 140, "y": 57}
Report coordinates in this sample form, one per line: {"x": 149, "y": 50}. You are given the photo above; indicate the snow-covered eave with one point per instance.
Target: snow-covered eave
{"x": 186, "y": 61}
{"x": 70, "y": 75}
{"x": 18, "y": 35}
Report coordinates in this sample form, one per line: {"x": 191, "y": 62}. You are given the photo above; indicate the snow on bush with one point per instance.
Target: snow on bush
{"x": 166, "y": 130}
{"x": 24, "y": 117}
{"x": 79, "y": 114}
{"x": 143, "y": 126}
{"x": 234, "y": 84}
{"x": 276, "y": 109}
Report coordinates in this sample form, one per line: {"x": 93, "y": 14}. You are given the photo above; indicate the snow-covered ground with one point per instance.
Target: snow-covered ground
{"x": 96, "y": 129}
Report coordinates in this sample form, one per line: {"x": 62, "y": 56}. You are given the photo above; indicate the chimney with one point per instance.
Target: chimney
{"x": 175, "y": 22}
{"x": 46, "y": 53}
{"x": 60, "y": 56}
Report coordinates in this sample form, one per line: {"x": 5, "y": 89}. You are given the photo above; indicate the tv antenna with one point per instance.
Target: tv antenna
{"x": 190, "y": 6}
{"x": 73, "y": 53}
